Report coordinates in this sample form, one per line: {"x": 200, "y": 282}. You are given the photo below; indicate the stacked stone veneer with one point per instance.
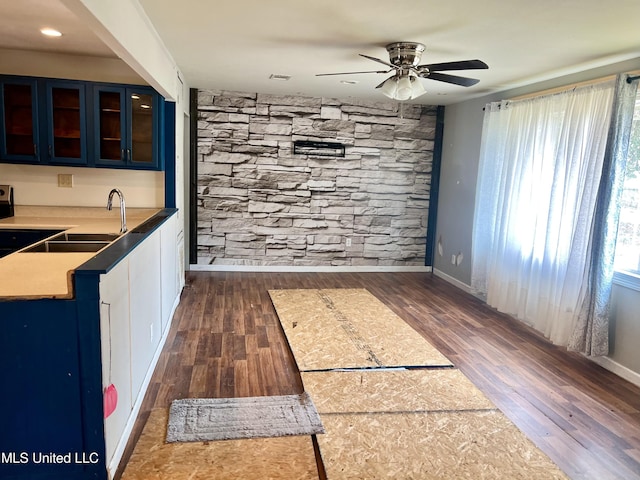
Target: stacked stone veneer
{"x": 261, "y": 205}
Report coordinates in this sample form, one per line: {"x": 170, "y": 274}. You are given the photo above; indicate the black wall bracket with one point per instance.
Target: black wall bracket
{"x": 322, "y": 149}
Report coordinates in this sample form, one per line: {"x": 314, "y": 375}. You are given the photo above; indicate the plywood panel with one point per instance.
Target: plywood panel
{"x": 372, "y": 391}
{"x": 281, "y": 458}
{"x": 438, "y": 445}
{"x": 348, "y": 328}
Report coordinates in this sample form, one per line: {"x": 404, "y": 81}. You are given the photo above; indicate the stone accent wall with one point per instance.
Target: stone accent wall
{"x": 259, "y": 204}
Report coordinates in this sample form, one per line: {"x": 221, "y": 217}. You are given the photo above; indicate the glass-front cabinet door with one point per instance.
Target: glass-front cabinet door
{"x": 126, "y": 127}
{"x": 110, "y": 141}
{"x": 67, "y": 127}
{"x": 19, "y": 120}
{"x": 142, "y": 127}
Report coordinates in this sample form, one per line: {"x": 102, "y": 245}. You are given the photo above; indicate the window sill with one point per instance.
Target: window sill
{"x": 627, "y": 279}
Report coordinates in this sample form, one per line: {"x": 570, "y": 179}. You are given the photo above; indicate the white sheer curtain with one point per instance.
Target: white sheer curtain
{"x": 540, "y": 167}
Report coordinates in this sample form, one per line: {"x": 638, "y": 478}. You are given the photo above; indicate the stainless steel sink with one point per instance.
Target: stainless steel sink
{"x": 73, "y": 242}
{"x": 52, "y": 246}
{"x": 85, "y": 237}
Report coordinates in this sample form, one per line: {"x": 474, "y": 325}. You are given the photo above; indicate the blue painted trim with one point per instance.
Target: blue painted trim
{"x": 87, "y": 294}
{"x": 169, "y": 154}
{"x": 435, "y": 188}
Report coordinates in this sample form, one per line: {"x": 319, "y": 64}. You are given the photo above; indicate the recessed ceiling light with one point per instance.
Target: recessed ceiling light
{"x": 144, "y": 105}
{"x": 349, "y": 82}
{"x": 50, "y": 32}
{"x": 275, "y": 76}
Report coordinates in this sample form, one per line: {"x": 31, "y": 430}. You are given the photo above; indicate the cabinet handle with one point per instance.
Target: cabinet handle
{"x": 50, "y": 150}
{"x": 35, "y": 149}
{"x": 129, "y": 154}
{"x": 122, "y": 155}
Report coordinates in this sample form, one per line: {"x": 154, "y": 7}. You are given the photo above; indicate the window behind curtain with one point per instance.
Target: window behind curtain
{"x": 628, "y": 243}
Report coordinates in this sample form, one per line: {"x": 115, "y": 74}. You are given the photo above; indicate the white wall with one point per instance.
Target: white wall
{"x": 38, "y": 185}
{"x": 462, "y": 134}
{"x": 456, "y": 198}
{"x": 74, "y": 67}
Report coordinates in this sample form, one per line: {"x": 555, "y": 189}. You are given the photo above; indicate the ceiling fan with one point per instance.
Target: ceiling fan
{"x": 404, "y": 59}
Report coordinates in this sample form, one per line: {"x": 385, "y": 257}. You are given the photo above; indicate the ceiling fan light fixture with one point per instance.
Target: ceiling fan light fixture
{"x": 402, "y": 87}
{"x": 417, "y": 88}
{"x": 389, "y": 87}
{"x": 405, "y": 89}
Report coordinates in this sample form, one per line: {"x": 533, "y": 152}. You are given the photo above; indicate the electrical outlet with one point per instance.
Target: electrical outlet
{"x": 453, "y": 259}
{"x": 347, "y": 242}
{"x": 65, "y": 180}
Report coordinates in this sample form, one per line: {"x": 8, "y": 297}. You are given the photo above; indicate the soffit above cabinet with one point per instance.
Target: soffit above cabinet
{"x": 21, "y": 21}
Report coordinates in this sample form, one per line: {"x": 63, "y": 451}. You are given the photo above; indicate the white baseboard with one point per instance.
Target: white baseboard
{"x": 135, "y": 410}
{"x": 620, "y": 370}
{"x": 452, "y": 280}
{"x": 605, "y": 362}
{"x": 305, "y": 269}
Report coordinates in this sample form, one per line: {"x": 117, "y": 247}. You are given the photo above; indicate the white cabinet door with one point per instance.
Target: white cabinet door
{"x": 144, "y": 290}
{"x": 114, "y": 338}
{"x": 168, "y": 268}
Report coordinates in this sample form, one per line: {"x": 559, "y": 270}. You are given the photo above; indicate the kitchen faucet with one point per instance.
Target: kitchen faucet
{"x": 123, "y": 216}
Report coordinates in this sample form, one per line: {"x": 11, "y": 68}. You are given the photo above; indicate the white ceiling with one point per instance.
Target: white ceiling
{"x": 238, "y": 44}
{"x": 21, "y": 21}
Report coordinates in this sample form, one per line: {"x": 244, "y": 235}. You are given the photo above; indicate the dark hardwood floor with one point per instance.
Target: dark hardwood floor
{"x": 226, "y": 341}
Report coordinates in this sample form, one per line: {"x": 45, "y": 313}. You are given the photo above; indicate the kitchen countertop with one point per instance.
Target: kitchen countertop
{"x": 49, "y": 275}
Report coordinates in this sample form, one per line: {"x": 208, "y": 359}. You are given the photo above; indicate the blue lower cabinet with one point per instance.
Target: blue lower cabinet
{"x": 50, "y": 405}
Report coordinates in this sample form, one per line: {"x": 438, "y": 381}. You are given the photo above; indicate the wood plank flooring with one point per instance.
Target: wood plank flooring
{"x": 226, "y": 341}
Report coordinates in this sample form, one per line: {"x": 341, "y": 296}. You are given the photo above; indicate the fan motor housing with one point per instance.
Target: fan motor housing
{"x": 406, "y": 54}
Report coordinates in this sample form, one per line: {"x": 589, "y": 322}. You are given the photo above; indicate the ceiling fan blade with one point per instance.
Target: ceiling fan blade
{"x": 382, "y": 83}
{"x": 461, "y": 65}
{"x": 351, "y": 73}
{"x": 379, "y": 61}
{"x": 456, "y": 80}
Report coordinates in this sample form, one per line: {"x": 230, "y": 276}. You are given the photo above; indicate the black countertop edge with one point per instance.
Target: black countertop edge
{"x": 113, "y": 254}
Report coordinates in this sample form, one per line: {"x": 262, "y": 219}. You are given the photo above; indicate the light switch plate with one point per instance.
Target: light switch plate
{"x": 65, "y": 180}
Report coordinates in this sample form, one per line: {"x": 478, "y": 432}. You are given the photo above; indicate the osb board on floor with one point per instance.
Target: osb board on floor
{"x": 393, "y": 391}
{"x": 362, "y": 332}
{"x": 279, "y": 458}
{"x": 438, "y": 445}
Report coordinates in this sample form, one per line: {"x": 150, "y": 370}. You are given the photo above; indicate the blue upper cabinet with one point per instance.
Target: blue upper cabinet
{"x": 127, "y": 127}
{"x": 68, "y": 122}
{"x": 19, "y": 120}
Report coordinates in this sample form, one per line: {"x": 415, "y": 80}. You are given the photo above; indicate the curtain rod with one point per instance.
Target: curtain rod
{"x": 552, "y": 91}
